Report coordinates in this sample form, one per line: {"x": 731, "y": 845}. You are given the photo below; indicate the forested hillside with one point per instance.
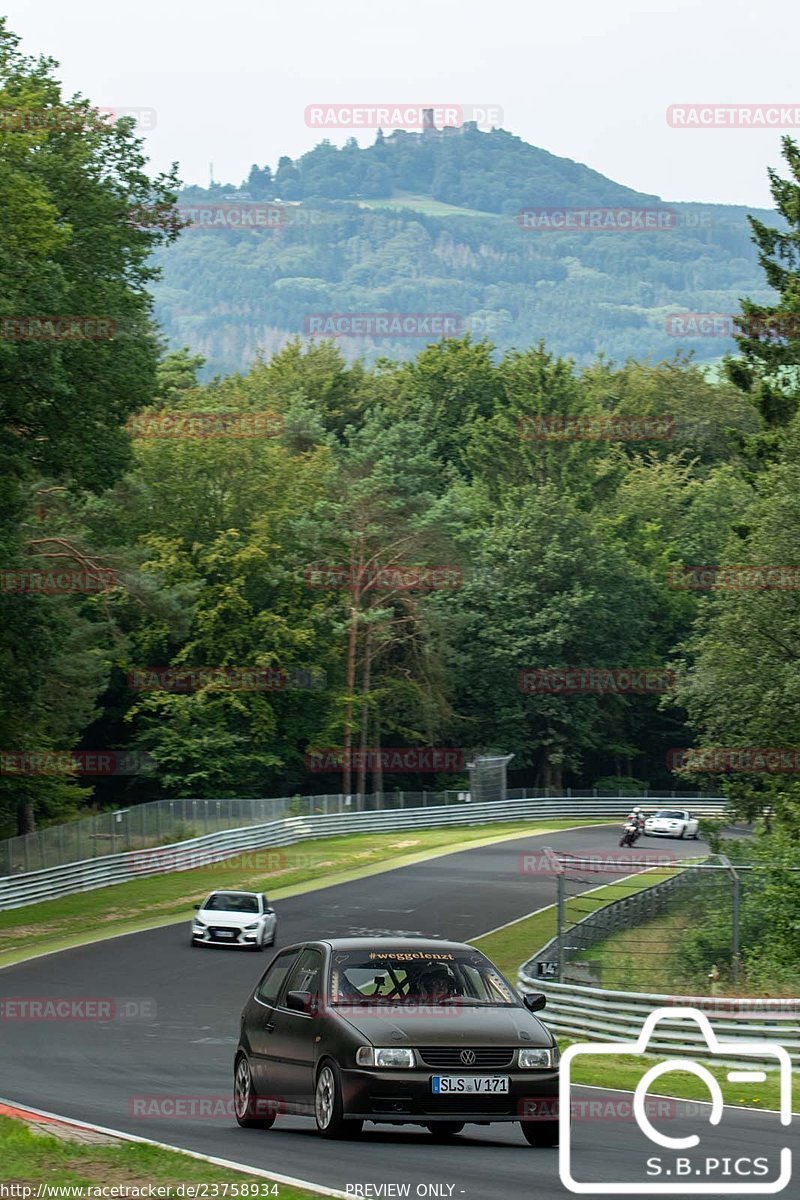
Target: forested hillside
{"x": 431, "y": 224}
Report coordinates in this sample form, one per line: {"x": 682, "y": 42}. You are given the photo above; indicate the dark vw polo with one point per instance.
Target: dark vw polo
{"x": 398, "y": 1030}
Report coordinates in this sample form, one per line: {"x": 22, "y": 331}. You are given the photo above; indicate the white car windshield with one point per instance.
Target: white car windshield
{"x": 670, "y": 815}
{"x": 232, "y": 902}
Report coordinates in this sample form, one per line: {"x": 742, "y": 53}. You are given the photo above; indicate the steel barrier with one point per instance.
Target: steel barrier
{"x": 63, "y": 880}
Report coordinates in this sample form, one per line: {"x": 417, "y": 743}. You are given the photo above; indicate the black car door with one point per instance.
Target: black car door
{"x": 261, "y": 1025}
{"x": 295, "y": 1032}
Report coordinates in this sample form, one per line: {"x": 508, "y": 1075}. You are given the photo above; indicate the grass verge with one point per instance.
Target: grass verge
{"x": 625, "y": 1070}
{"x": 28, "y": 1157}
{"x": 512, "y": 945}
{"x": 159, "y": 899}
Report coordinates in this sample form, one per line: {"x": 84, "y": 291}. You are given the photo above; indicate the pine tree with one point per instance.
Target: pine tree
{"x": 770, "y": 334}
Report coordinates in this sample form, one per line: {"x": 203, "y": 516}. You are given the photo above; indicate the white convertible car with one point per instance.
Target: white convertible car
{"x": 672, "y": 822}
{"x": 235, "y": 919}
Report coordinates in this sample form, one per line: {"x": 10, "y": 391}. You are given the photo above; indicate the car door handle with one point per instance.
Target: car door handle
{"x": 269, "y": 1026}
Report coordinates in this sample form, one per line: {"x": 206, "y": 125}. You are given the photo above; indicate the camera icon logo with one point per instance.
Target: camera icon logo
{"x": 687, "y": 1170}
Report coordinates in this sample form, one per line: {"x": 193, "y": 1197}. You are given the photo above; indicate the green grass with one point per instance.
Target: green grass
{"x": 158, "y": 900}
{"x": 511, "y": 946}
{"x": 643, "y": 959}
{"x": 33, "y": 1158}
{"x": 424, "y": 204}
{"x": 625, "y": 1070}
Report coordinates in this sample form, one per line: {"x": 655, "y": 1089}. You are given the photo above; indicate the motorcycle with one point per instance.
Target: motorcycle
{"x": 631, "y": 833}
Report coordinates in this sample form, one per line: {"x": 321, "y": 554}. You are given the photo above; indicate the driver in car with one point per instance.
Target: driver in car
{"x": 436, "y": 984}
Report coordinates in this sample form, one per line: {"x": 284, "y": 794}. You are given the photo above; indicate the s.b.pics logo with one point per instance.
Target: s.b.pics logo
{"x": 697, "y": 1156}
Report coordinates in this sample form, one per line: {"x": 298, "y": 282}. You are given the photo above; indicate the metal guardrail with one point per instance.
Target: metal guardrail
{"x": 644, "y": 904}
{"x": 606, "y": 1015}
{"x": 162, "y": 822}
{"x": 63, "y": 880}
{"x": 602, "y": 1015}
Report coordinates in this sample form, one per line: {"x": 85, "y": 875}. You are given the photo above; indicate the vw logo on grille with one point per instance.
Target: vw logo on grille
{"x": 467, "y": 1057}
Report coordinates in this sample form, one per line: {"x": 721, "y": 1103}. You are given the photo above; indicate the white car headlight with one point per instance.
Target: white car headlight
{"x": 540, "y": 1057}
{"x": 250, "y": 928}
{"x": 198, "y": 924}
{"x": 388, "y": 1056}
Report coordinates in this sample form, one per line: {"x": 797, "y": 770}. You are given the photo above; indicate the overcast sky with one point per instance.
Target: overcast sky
{"x": 230, "y": 80}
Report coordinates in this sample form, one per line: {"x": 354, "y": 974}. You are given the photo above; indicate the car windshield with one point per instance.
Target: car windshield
{"x": 232, "y": 902}
{"x": 411, "y": 977}
{"x": 671, "y": 814}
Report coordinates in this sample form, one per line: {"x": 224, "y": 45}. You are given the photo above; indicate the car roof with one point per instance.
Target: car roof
{"x": 396, "y": 943}
{"x": 232, "y": 892}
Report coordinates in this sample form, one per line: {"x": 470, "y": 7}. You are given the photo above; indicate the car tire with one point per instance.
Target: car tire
{"x": 245, "y": 1098}
{"x": 442, "y": 1131}
{"x": 540, "y": 1133}
{"x": 683, "y": 833}
{"x": 328, "y": 1104}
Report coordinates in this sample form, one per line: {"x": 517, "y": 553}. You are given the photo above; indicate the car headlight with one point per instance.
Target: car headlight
{"x": 198, "y": 924}
{"x": 250, "y": 928}
{"x": 546, "y": 1056}
{"x": 388, "y": 1056}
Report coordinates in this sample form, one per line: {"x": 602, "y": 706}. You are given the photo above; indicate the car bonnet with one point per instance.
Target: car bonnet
{"x": 445, "y": 1025}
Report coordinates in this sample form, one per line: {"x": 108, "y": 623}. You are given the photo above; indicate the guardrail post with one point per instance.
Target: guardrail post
{"x": 560, "y": 924}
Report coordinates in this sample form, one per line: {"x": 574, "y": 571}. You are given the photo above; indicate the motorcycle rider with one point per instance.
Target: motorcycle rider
{"x": 636, "y": 817}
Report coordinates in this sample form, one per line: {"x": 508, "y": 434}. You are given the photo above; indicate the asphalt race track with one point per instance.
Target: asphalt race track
{"x": 182, "y": 1045}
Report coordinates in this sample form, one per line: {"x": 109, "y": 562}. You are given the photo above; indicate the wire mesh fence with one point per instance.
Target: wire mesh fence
{"x": 647, "y": 921}
{"x": 164, "y": 822}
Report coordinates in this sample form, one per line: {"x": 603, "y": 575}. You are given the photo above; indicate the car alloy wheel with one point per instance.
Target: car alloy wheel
{"x": 245, "y": 1100}
{"x": 328, "y": 1106}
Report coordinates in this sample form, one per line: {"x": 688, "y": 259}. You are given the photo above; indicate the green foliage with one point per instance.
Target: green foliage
{"x": 366, "y": 230}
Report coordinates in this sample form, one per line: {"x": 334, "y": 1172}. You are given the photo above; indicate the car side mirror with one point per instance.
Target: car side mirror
{"x": 195, "y": 906}
{"x": 300, "y": 1001}
{"x": 535, "y": 1001}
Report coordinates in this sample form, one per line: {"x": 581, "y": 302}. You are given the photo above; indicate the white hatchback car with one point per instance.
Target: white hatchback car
{"x": 672, "y": 822}
{"x": 235, "y": 919}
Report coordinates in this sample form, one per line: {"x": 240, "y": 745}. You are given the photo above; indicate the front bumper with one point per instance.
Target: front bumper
{"x": 663, "y": 832}
{"x": 209, "y": 938}
{"x": 401, "y": 1096}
